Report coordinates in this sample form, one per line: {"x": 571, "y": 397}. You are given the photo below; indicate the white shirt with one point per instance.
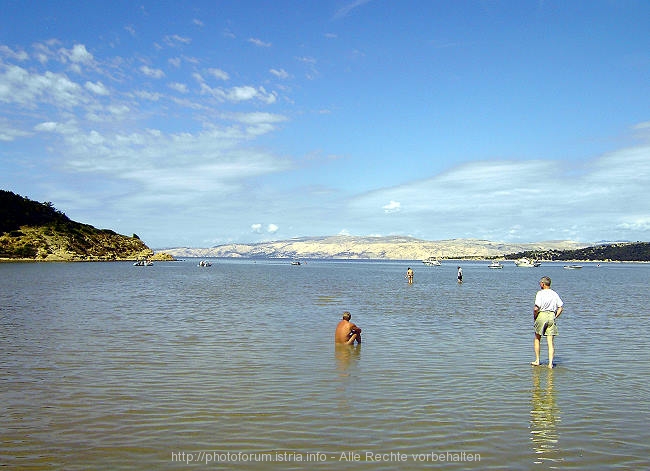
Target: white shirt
{"x": 548, "y": 300}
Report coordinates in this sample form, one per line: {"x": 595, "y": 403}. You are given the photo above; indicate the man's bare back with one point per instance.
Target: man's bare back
{"x": 346, "y": 332}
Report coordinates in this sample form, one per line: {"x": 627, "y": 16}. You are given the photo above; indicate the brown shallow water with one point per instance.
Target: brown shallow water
{"x": 110, "y": 366}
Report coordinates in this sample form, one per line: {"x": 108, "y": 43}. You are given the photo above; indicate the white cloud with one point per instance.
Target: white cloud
{"x": 76, "y": 57}
{"x": 242, "y": 93}
{"x": 174, "y": 40}
{"x": 257, "y": 228}
{"x": 97, "y": 88}
{"x": 272, "y": 228}
{"x": 258, "y": 118}
{"x": 281, "y": 73}
{"x": 151, "y": 72}
{"x": 219, "y": 74}
{"x": 11, "y": 54}
{"x": 392, "y": 207}
{"x": 307, "y": 60}
{"x": 347, "y": 8}
{"x": 118, "y": 110}
{"x": 78, "y": 54}
{"x": 19, "y": 86}
{"x": 239, "y": 94}
{"x": 637, "y": 224}
{"x": 179, "y": 87}
{"x": 49, "y": 126}
{"x": 145, "y": 95}
{"x": 258, "y": 42}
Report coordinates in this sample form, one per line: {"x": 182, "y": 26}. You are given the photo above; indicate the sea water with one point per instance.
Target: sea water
{"x": 233, "y": 366}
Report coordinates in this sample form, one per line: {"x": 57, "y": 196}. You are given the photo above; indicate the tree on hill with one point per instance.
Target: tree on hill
{"x": 622, "y": 252}
{"x": 16, "y": 211}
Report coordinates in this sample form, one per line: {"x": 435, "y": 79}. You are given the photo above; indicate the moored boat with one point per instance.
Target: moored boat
{"x": 572, "y": 267}
{"x": 527, "y": 263}
{"x": 431, "y": 262}
{"x": 143, "y": 263}
{"x": 495, "y": 264}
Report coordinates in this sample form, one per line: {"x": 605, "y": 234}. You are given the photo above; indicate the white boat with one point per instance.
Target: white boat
{"x": 204, "y": 263}
{"x": 573, "y": 267}
{"x": 295, "y": 262}
{"x": 527, "y": 263}
{"x": 431, "y": 262}
{"x": 495, "y": 264}
{"x": 143, "y": 263}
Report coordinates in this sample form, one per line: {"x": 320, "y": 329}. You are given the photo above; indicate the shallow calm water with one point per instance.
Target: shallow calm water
{"x": 110, "y": 366}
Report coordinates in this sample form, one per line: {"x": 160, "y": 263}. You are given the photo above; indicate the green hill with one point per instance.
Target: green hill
{"x": 621, "y": 252}
{"x": 37, "y": 231}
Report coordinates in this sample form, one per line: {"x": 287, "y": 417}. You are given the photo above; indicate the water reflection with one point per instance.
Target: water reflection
{"x": 544, "y": 417}
{"x": 347, "y": 357}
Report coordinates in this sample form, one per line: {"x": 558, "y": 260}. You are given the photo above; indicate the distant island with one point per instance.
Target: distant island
{"x": 620, "y": 252}
{"x": 409, "y": 248}
{"x": 30, "y": 230}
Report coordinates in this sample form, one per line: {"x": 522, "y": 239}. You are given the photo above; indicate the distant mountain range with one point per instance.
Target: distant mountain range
{"x": 387, "y": 248}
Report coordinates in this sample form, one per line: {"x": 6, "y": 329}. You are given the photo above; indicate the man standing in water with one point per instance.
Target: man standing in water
{"x": 409, "y": 275}
{"x": 548, "y": 307}
{"x": 460, "y": 275}
{"x": 346, "y": 332}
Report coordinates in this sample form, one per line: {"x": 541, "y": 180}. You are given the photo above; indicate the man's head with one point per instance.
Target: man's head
{"x": 347, "y": 316}
{"x": 546, "y": 281}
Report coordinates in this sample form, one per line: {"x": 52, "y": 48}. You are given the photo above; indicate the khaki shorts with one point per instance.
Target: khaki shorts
{"x": 545, "y": 323}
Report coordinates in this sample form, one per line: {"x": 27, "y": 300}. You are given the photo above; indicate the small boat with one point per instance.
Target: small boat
{"x": 431, "y": 262}
{"x": 495, "y": 264}
{"x": 573, "y": 267}
{"x": 527, "y": 263}
{"x": 204, "y": 263}
{"x": 143, "y": 263}
{"x": 295, "y": 262}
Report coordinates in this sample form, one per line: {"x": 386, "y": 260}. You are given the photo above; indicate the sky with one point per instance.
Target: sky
{"x": 202, "y": 123}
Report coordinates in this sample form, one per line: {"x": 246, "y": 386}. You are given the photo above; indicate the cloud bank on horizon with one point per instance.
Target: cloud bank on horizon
{"x": 247, "y": 121}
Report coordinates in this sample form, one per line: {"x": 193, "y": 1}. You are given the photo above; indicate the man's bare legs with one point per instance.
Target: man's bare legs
{"x": 536, "y": 347}
{"x": 551, "y": 350}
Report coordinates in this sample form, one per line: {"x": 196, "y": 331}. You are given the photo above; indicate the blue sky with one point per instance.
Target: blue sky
{"x": 201, "y": 123}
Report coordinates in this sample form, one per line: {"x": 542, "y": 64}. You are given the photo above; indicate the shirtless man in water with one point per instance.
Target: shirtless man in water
{"x": 409, "y": 275}
{"x": 346, "y": 332}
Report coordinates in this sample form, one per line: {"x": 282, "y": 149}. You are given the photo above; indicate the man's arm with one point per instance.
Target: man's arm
{"x": 535, "y": 311}
{"x": 559, "y": 311}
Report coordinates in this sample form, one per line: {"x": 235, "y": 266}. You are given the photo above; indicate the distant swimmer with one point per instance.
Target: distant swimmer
{"x": 460, "y": 275}
{"x": 409, "y": 275}
{"x": 548, "y": 307}
{"x": 346, "y": 332}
